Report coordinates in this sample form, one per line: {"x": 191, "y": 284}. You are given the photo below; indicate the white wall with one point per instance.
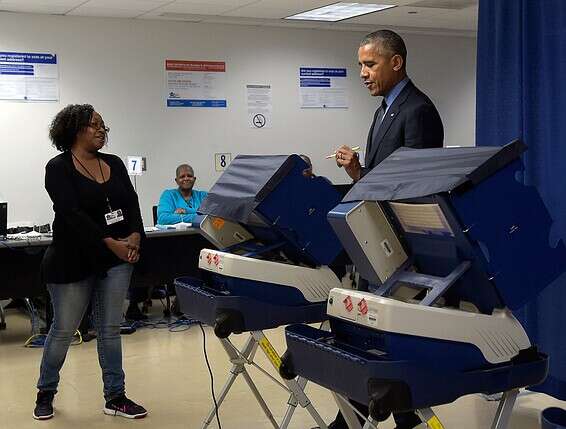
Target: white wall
{"x": 118, "y": 66}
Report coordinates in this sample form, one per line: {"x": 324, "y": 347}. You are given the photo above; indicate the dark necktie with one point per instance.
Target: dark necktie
{"x": 377, "y": 122}
{"x": 379, "y": 118}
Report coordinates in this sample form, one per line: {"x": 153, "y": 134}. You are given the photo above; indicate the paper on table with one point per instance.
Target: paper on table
{"x": 177, "y": 226}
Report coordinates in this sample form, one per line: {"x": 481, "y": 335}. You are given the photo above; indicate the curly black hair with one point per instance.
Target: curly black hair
{"x": 68, "y": 123}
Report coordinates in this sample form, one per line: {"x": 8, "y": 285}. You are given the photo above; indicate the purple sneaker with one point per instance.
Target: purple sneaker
{"x": 124, "y": 407}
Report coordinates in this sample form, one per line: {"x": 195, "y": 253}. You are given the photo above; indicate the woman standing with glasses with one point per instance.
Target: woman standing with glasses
{"x": 96, "y": 239}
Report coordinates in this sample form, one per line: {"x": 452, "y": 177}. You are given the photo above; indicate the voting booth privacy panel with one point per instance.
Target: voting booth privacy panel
{"x": 452, "y": 242}
{"x": 269, "y": 221}
{"x": 502, "y": 217}
{"x": 272, "y": 192}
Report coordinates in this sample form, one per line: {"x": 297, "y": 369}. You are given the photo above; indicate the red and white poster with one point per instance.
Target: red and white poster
{"x": 195, "y": 83}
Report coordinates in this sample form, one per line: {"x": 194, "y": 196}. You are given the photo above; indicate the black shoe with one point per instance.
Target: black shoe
{"x": 159, "y": 292}
{"x": 44, "y": 405}
{"x": 134, "y": 313}
{"x": 87, "y": 336}
{"x": 122, "y": 406}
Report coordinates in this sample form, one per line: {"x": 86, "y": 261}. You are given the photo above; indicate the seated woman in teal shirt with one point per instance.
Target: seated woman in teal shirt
{"x": 181, "y": 204}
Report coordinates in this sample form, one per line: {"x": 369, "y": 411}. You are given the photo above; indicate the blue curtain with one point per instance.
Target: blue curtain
{"x": 521, "y": 92}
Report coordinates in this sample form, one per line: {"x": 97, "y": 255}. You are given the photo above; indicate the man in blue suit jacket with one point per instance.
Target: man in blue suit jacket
{"x": 405, "y": 117}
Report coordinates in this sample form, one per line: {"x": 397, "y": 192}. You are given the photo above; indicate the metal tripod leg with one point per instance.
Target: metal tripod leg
{"x": 305, "y": 402}
{"x": 347, "y": 411}
{"x": 370, "y": 423}
{"x": 428, "y": 417}
{"x": 505, "y": 409}
{"x": 223, "y": 394}
{"x": 238, "y": 362}
{"x": 259, "y": 399}
{"x": 350, "y": 414}
{"x": 2, "y": 318}
{"x": 295, "y": 386}
{"x": 292, "y": 404}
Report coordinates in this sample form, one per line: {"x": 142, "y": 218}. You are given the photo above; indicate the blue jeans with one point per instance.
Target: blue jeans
{"x": 70, "y": 301}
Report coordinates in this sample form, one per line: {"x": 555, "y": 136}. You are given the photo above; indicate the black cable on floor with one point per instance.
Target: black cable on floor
{"x": 211, "y": 376}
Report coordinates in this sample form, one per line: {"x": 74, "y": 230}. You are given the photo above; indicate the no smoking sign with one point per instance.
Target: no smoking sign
{"x": 259, "y": 120}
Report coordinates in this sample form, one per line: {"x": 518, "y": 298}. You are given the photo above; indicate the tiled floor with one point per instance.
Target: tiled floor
{"x": 166, "y": 372}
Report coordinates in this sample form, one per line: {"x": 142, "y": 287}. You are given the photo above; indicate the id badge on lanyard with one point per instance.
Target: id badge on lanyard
{"x": 113, "y": 216}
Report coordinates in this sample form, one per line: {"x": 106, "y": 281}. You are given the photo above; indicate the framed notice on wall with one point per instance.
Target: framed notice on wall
{"x": 26, "y": 76}
{"x": 259, "y": 106}
{"x": 323, "y": 87}
{"x": 196, "y": 83}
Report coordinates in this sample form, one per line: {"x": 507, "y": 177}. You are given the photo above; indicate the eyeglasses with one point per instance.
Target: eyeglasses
{"x": 99, "y": 126}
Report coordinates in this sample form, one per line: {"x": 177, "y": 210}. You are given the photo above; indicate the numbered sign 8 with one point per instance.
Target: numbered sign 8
{"x": 222, "y": 160}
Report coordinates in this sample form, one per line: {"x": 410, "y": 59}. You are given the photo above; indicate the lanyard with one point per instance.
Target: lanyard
{"x": 94, "y": 178}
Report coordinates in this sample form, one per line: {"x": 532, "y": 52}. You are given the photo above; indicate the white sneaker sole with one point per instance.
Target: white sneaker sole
{"x": 43, "y": 417}
{"x": 110, "y": 412}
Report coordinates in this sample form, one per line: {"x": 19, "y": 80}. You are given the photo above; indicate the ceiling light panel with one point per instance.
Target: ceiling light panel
{"x": 339, "y": 11}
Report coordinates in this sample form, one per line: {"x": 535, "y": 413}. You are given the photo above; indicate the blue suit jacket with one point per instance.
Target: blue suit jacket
{"x": 411, "y": 121}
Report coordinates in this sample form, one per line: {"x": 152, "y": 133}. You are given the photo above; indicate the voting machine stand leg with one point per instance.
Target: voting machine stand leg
{"x": 245, "y": 356}
{"x": 295, "y": 387}
{"x": 238, "y": 360}
{"x": 349, "y": 413}
{"x": 428, "y": 417}
{"x": 2, "y": 318}
{"x": 505, "y": 409}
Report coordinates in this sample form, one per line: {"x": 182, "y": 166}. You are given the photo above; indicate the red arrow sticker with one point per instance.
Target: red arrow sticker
{"x": 348, "y": 303}
{"x": 363, "y": 306}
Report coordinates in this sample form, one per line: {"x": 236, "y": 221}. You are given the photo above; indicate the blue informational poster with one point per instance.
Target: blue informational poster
{"x": 323, "y": 87}
{"x": 27, "y": 76}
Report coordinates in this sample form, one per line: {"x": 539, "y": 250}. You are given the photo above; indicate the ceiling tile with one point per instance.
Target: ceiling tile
{"x": 39, "y": 6}
{"x": 229, "y": 3}
{"x": 144, "y": 5}
{"x": 423, "y": 18}
{"x": 445, "y": 4}
{"x": 200, "y": 8}
{"x": 58, "y": 3}
{"x": 263, "y": 12}
{"x": 299, "y": 5}
{"x": 57, "y": 10}
{"x": 105, "y": 12}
